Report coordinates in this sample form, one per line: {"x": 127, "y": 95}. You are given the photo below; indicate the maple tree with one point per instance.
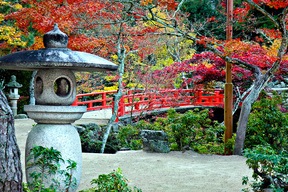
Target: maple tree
{"x": 253, "y": 55}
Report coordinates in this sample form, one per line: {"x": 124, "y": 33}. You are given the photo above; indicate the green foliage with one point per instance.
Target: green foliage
{"x": 196, "y": 130}
{"x": 267, "y": 125}
{"x": 114, "y": 181}
{"x": 129, "y": 137}
{"x": 270, "y": 168}
{"x": 193, "y": 129}
{"x": 202, "y": 11}
{"x": 92, "y": 136}
{"x": 46, "y": 162}
{"x": 266, "y": 146}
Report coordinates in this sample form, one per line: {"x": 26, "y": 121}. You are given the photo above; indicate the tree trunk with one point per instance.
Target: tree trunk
{"x": 245, "y": 112}
{"x": 31, "y": 89}
{"x": 10, "y": 164}
{"x": 121, "y": 53}
{"x": 242, "y": 126}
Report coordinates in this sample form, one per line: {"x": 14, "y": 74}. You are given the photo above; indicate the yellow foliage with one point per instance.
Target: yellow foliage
{"x": 160, "y": 14}
{"x": 134, "y": 85}
{"x": 10, "y": 34}
{"x": 235, "y": 45}
{"x": 163, "y": 53}
{"x": 1, "y": 17}
{"x": 109, "y": 77}
{"x": 17, "y": 6}
{"x": 114, "y": 58}
{"x": 113, "y": 88}
{"x": 2, "y": 3}
{"x": 273, "y": 49}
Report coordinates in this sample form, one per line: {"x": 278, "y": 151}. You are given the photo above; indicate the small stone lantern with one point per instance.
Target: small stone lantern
{"x": 13, "y": 95}
{"x": 55, "y": 91}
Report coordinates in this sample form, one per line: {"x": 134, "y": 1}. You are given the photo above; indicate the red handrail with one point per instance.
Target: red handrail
{"x": 95, "y": 101}
{"x": 137, "y": 102}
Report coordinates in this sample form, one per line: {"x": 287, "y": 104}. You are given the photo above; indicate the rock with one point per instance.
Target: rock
{"x": 21, "y": 116}
{"x": 155, "y": 141}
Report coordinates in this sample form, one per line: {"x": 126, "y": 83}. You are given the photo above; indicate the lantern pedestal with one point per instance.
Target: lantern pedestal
{"x": 54, "y": 129}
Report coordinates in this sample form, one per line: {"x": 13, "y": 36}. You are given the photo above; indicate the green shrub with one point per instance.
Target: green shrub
{"x": 267, "y": 125}
{"x": 270, "y": 168}
{"x": 46, "y": 162}
{"x": 193, "y": 129}
{"x": 92, "y": 136}
{"x": 114, "y": 181}
{"x": 129, "y": 137}
{"x": 266, "y": 146}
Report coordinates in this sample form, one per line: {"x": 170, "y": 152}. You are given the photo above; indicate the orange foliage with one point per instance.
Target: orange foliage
{"x": 236, "y": 46}
{"x": 276, "y": 4}
{"x": 168, "y": 4}
{"x": 145, "y": 2}
{"x": 38, "y": 44}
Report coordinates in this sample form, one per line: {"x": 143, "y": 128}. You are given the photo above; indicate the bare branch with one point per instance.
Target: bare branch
{"x": 240, "y": 97}
{"x": 264, "y": 12}
{"x": 178, "y": 7}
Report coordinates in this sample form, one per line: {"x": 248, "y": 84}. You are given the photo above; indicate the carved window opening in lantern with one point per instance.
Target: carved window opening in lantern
{"x": 62, "y": 86}
{"x": 38, "y": 86}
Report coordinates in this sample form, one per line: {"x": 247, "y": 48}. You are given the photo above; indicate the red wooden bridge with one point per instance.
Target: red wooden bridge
{"x": 136, "y": 102}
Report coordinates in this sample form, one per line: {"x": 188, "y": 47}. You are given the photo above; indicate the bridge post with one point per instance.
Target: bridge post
{"x": 75, "y": 101}
{"x": 104, "y": 99}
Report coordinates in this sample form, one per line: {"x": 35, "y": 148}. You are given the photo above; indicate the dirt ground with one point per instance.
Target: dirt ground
{"x": 155, "y": 172}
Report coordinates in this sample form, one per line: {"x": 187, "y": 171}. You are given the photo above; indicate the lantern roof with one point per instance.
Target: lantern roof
{"x": 55, "y": 55}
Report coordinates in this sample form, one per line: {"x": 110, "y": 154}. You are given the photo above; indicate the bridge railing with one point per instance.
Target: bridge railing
{"x": 95, "y": 101}
{"x": 98, "y": 100}
{"x": 139, "y": 101}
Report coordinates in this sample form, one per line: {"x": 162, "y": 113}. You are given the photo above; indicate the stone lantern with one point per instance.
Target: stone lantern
{"x": 13, "y": 95}
{"x": 55, "y": 91}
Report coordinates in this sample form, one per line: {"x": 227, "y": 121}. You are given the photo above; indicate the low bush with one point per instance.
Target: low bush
{"x": 129, "y": 137}
{"x": 193, "y": 129}
{"x": 114, "y": 181}
{"x": 92, "y": 136}
{"x": 267, "y": 125}
{"x": 270, "y": 168}
{"x": 267, "y": 145}
{"x": 46, "y": 163}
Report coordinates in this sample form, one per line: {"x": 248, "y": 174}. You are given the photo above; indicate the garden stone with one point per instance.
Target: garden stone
{"x": 155, "y": 141}
{"x": 21, "y": 116}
